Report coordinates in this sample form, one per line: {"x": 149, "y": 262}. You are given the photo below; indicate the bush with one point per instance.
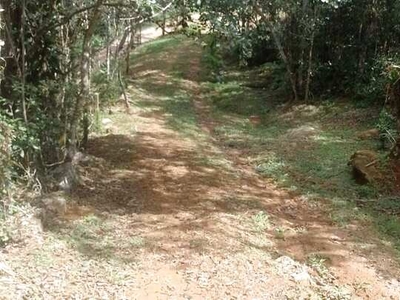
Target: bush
{"x": 108, "y": 88}
{"x": 6, "y": 135}
{"x": 193, "y": 30}
{"x": 212, "y": 58}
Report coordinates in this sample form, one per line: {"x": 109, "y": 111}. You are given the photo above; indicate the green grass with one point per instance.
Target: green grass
{"x": 234, "y": 98}
{"x": 280, "y": 233}
{"x": 90, "y": 236}
{"x": 172, "y": 90}
{"x": 318, "y": 262}
{"x": 157, "y": 46}
{"x": 316, "y": 167}
{"x": 94, "y": 237}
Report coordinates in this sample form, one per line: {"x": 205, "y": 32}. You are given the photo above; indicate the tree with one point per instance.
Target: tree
{"x": 48, "y": 51}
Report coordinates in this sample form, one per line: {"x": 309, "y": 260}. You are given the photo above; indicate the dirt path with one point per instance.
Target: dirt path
{"x": 168, "y": 213}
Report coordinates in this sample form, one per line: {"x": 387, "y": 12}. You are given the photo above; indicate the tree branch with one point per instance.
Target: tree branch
{"x": 68, "y": 17}
{"x": 153, "y": 16}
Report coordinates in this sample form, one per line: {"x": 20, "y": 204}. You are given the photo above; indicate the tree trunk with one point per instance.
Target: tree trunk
{"x": 310, "y": 58}
{"x": 309, "y": 69}
{"x": 281, "y": 50}
{"x": 23, "y": 65}
{"x": 12, "y": 67}
{"x": 82, "y": 98}
{"x": 395, "y": 103}
{"x": 291, "y": 74}
{"x": 129, "y": 49}
{"x": 164, "y": 23}
{"x": 121, "y": 84}
{"x": 108, "y": 60}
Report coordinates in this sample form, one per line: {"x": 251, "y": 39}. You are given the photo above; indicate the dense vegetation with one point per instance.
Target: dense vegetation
{"x": 48, "y": 52}
{"x": 327, "y": 48}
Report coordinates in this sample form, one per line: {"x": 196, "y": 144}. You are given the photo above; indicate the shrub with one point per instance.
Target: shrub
{"x": 6, "y": 134}
{"x": 107, "y": 87}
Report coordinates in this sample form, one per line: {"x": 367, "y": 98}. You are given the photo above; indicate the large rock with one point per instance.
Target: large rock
{"x": 365, "y": 166}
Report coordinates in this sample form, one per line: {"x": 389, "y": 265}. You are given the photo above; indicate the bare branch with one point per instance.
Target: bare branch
{"x": 153, "y": 16}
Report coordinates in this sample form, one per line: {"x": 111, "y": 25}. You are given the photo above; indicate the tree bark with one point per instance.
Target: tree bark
{"x": 121, "y": 84}
{"x": 164, "y": 21}
{"x": 281, "y": 50}
{"x": 81, "y": 101}
{"x": 310, "y": 58}
{"x": 23, "y": 66}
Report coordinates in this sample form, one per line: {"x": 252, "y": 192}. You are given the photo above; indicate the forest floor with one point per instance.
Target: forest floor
{"x": 186, "y": 197}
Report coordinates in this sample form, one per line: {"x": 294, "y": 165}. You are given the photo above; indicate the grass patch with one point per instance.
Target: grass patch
{"x": 137, "y": 242}
{"x": 158, "y": 46}
{"x": 261, "y": 221}
{"x": 390, "y": 227}
{"x": 272, "y": 166}
{"x": 167, "y": 83}
{"x": 315, "y": 165}
{"x": 90, "y": 236}
{"x": 318, "y": 263}
{"x": 234, "y": 98}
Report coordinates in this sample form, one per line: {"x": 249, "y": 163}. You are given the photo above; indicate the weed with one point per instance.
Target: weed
{"x": 5, "y": 235}
{"x": 389, "y": 226}
{"x": 280, "y": 233}
{"x": 90, "y": 237}
{"x": 137, "y": 242}
{"x": 156, "y": 47}
{"x": 386, "y": 121}
{"x": 43, "y": 258}
{"x": 335, "y": 293}
{"x": 215, "y": 161}
{"x": 390, "y": 205}
{"x": 344, "y": 212}
{"x": 92, "y": 220}
{"x": 198, "y": 244}
{"x": 234, "y": 98}
{"x": 361, "y": 286}
{"x": 273, "y": 167}
{"x": 318, "y": 263}
{"x": 107, "y": 89}
{"x": 261, "y": 221}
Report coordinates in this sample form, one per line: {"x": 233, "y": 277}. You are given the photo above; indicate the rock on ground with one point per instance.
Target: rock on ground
{"x": 365, "y": 166}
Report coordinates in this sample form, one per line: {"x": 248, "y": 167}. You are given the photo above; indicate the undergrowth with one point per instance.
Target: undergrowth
{"x": 316, "y": 165}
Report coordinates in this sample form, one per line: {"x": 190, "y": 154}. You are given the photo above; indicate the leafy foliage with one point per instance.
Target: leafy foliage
{"x": 49, "y": 54}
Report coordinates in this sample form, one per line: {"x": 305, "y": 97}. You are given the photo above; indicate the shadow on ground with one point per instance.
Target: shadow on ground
{"x": 172, "y": 188}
